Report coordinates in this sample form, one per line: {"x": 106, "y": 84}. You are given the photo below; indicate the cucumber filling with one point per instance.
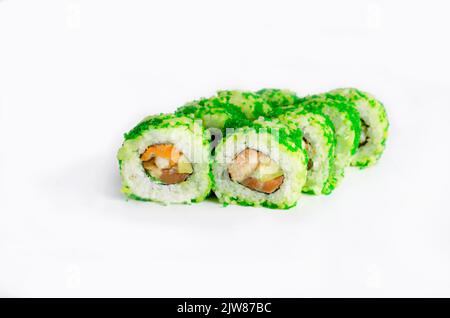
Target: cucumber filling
{"x": 256, "y": 171}
{"x": 166, "y": 164}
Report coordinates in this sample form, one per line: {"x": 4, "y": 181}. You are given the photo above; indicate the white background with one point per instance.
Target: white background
{"x": 75, "y": 75}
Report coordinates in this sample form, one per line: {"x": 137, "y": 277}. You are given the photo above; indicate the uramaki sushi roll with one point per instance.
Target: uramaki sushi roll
{"x": 374, "y": 125}
{"x": 347, "y": 128}
{"x": 166, "y": 159}
{"x": 320, "y": 142}
{"x": 261, "y": 165}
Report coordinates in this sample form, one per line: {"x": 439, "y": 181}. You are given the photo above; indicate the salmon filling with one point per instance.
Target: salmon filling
{"x": 166, "y": 163}
{"x": 256, "y": 171}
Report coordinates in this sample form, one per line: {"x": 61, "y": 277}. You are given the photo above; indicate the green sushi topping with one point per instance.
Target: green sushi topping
{"x": 288, "y": 133}
{"x": 158, "y": 121}
{"x": 278, "y": 97}
{"x": 265, "y": 204}
{"x": 251, "y": 104}
{"x": 215, "y": 113}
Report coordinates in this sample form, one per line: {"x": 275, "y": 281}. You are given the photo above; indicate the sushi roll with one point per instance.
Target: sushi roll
{"x": 374, "y": 125}
{"x": 320, "y": 142}
{"x": 278, "y": 97}
{"x": 251, "y": 104}
{"x": 261, "y": 165}
{"x": 347, "y": 128}
{"x": 166, "y": 159}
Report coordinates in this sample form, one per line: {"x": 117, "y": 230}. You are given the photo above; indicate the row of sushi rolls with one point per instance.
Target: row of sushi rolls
{"x": 262, "y": 149}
